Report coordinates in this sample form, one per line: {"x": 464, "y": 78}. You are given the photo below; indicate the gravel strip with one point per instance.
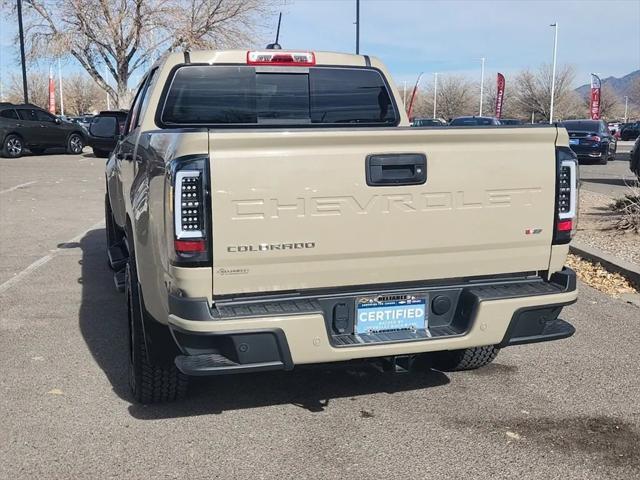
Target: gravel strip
{"x": 595, "y": 228}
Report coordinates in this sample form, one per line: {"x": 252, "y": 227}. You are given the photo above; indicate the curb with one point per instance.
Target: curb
{"x": 627, "y": 269}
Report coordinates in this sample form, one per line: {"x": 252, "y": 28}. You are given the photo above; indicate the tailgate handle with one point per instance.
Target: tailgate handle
{"x": 395, "y": 169}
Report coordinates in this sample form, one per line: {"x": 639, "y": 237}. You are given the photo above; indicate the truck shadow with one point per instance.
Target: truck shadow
{"x": 622, "y": 182}
{"x": 102, "y": 321}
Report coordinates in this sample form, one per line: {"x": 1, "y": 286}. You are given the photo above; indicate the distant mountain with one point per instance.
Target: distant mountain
{"x": 621, "y": 86}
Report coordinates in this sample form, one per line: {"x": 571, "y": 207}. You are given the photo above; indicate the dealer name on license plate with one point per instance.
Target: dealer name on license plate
{"x": 392, "y": 313}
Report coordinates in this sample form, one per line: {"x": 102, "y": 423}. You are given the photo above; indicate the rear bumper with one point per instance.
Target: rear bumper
{"x": 588, "y": 152}
{"x": 503, "y": 314}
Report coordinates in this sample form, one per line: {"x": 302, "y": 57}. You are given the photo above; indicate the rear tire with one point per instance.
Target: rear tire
{"x": 75, "y": 144}
{"x": 13, "y": 146}
{"x": 149, "y": 383}
{"x": 466, "y": 359}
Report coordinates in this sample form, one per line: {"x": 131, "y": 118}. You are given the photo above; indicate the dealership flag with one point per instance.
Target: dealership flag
{"x": 595, "y": 97}
{"x": 499, "y": 95}
{"x": 52, "y": 93}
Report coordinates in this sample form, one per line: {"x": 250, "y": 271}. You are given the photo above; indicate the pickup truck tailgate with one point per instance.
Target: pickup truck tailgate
{"x": 292, "y": 210}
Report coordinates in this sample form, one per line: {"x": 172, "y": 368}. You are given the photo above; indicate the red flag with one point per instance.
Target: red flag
{"x": 52, "y": 93}
{"x": 595, "y": 97}
{"x": 499, "y": 95}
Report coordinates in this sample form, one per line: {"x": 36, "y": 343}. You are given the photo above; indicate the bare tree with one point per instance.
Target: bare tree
{"x": 456, "y": 96}
{"x": 38, "y": 84}
{"x": 532, "y": 93}
{"x": 126, "y": 35}
{"x": 82, "y": 95}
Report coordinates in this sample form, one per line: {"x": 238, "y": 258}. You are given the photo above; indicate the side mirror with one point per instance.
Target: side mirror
{"x": 104, "y": 127}
{"x": 57, "y": 121}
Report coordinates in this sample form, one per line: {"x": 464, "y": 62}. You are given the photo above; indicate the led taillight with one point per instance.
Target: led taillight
{"x": 564, "y": 190}
{"x": 189, "y": 246}
{"x": 274, "y": 57}
{"x": 594, "y": 138}
{"x": 566, "y": 196}
{"x": 188, "y": 207}
{"x": 564, "y": 225}
{"x": 187, "y": 216}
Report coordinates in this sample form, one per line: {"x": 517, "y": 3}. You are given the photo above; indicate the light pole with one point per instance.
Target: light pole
{"x": 357, "y": 27}
{"x": 24, "y": 66}
{"x": 553, "y": 73}
{"x": 481, "y": 84}
{"x": 435, "y": 94}
{"x": 626, "y": 108}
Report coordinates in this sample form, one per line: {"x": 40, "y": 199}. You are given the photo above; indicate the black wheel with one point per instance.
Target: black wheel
{"x": 100, "y": 153}
{"x": 149, "y": 383}
{"x": 603, "y": 160}
{"x": 13, "y": 147}
{"x": 466, "y": 359}
{"x": 37, "y": 151}
{"x": 75, "y": 144}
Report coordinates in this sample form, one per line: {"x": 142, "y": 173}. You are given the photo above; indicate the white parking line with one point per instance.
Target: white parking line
{"x": 18, "y": 186}
{"x": 41, "y": 261}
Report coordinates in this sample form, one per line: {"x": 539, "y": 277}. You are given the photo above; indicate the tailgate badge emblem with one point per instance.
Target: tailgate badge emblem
{"x": 533, "y": 231}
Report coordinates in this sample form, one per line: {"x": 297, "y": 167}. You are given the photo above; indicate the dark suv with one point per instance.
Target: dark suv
{"x": 30, "y": 127}
{"x": 630, "y": 131}
{"x": 104, "y": 131}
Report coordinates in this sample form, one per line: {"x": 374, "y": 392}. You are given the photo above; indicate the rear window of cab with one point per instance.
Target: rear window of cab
{"x": 236, "y": 96}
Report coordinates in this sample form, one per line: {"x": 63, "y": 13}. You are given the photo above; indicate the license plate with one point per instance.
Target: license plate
{"x": 390, "y": 313}
{"x": 574, "y": 141}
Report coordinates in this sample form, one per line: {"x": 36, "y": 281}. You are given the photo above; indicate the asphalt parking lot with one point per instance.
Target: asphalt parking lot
{"x": 565, "y": 410}
{"x": 612, "y": 179}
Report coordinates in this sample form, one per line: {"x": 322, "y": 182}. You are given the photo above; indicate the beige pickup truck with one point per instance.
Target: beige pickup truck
{"x": 269, "y": 209}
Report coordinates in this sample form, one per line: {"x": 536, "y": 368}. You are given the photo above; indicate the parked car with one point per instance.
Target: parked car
{"x": 401, "y": 243}
{"x": 511, "y": 121}
{"x": 82, "y": 120}
{"x": 104, "y": 131}
{"x": 591, "y": 140}
{"x": 630, "y": 131}
{"x": 428, "y": 122}
{"x": 474, "y": 121}
{"x": 634, "y": 158}
{"x": 30, "y": 127}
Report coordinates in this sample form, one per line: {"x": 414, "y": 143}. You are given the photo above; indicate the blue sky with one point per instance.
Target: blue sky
{"x": 411, "y": 36}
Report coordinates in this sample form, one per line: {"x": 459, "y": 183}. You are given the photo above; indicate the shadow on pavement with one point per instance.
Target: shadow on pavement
{"x": 102, "y": 317}
{"x": 610, "y": 181}
{"x": 311, "y": 388}
{"x": 104, "y": 329}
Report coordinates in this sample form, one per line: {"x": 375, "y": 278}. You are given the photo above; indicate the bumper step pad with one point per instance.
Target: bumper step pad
{"x": 553, "y": 330}
{"x": 216, "y": 364}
